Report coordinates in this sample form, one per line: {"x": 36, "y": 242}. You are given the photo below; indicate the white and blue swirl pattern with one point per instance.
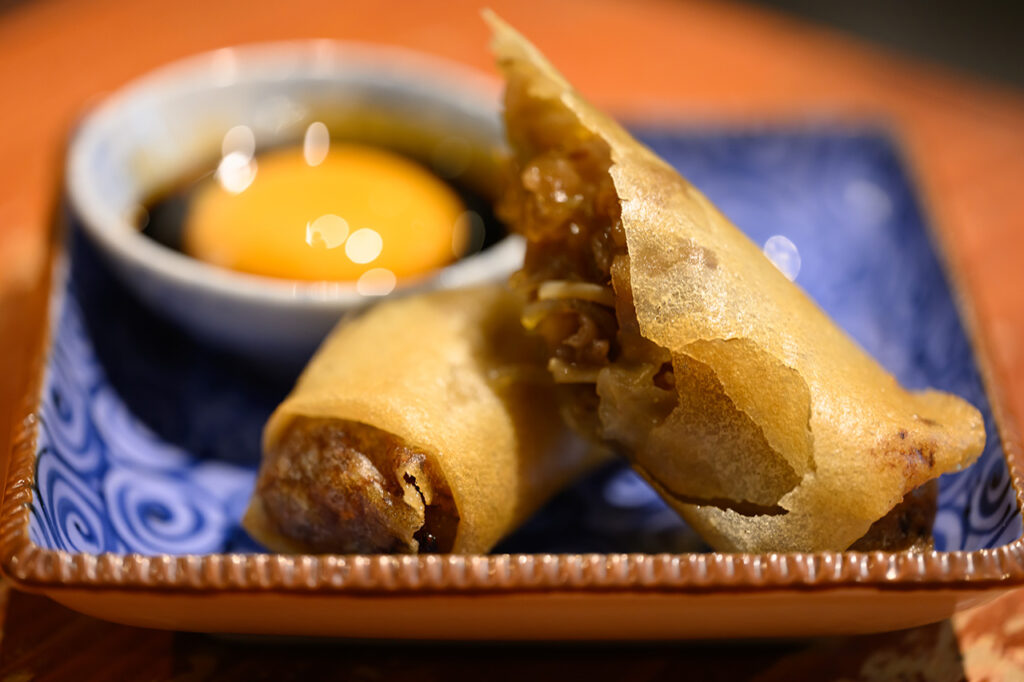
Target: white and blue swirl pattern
{"x": 157, "y": 513}
{"x": 105, "y": 482}
{"x": 129, "y": 441}
{"x": 65, "y": 415}
{"x": 149, "y": 441}
{"x": 75, "y": 349}
{"x": 72, "y": 513}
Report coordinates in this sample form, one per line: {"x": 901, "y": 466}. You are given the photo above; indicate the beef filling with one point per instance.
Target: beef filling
{"x": 908, "y": 526}
{"x": 335, "y": 486}
{"x": 560, "y": 197}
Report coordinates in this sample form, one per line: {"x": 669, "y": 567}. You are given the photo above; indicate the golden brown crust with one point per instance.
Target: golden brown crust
{"x": 458, "y": 388}
{"x": 778, "y": 404}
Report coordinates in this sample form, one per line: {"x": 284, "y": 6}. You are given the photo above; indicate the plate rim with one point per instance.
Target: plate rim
{"x": 32, "y": 567}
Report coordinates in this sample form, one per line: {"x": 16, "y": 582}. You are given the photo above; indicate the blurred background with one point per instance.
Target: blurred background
{"x": 946, "y": 75}
{"x": 980, "y": 37}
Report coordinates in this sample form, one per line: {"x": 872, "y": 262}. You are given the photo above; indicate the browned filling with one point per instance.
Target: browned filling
{"x": 335, "y": 486}
{"x": 908, "y": 526}
{"x": 560, "y": 197}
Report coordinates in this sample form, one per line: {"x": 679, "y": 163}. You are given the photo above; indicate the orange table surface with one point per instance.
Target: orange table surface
{"x": 645, "y": 60}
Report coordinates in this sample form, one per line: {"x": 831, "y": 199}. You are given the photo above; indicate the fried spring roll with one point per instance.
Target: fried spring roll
{"x": 426, "y": 425}
{"x": 743, "y": 404}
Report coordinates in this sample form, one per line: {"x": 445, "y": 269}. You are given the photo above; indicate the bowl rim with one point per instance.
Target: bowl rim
{"x": 267, "y": 62}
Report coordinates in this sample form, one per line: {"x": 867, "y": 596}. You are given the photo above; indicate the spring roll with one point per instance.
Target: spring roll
{"x": 730, "y": 391}
{"x": 426, "y": 425}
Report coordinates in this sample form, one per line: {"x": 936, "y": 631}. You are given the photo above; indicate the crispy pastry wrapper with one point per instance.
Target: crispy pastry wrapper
{"x": 432, "y": 402}
{"x": 786, "y": 435}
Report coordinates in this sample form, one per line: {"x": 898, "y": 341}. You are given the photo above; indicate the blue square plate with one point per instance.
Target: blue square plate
{"x": 147, "y": 443}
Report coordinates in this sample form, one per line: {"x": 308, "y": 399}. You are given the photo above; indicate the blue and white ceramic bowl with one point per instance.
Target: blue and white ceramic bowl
{"x": 159, "y": 129}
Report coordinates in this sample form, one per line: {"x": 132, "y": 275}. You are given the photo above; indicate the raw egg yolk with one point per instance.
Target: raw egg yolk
{"x": 359, "y": 210}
